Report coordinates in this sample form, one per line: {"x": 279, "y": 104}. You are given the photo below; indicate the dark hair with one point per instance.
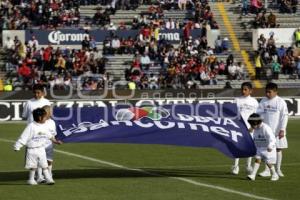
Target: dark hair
{"x": 272, "y": 86}
{"x": 247, "y": 84}
{"x": 38, "y": 114}
{"x": 38, "y": 87}
{"x": 254, "y": 119}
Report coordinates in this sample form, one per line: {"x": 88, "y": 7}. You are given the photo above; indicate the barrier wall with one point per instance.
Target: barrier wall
{"x": 72, "y": 37}
{"x": 282, "y": 36}
{"x": 12, "y": 110}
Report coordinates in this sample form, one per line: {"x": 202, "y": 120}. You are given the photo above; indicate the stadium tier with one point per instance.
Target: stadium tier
{"x": 152, "y": 45}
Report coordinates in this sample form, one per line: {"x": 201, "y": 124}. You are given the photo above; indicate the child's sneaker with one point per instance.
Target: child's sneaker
{"x": 235, "y": 170}
{"x": 50, "y": 181}
{"x": 279, "y": 172}
{"x": 274, "y": 177}
{"x": 251, "y": 177}
{"x": 265, "y": 173}
{"x": 32, "y": 182}
{"x": 41, "y": 180}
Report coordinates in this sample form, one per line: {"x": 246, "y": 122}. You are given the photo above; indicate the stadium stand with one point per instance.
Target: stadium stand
{"x": 272, "y": 17}
{"x": 126, "y": 59}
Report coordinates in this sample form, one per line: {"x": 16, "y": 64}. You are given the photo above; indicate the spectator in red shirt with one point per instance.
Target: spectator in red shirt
{"x": 47, "y": 58}
{"x": 24, "y": 73}
{"x": 187, "y": 31}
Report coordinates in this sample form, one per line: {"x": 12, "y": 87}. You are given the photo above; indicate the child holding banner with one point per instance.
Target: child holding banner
{"x": 264, "y": 140}
{"x": 50, "y": 127}
{"x": 274, "y": 112}
{"x": 37, "y": 101}
{"x": 246, "y": 106}
{"x": 34, "y": 137}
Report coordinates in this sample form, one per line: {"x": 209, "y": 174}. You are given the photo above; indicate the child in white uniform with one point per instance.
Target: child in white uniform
{"x": 246, "y": 106}
{"x": 274, "y": 112}
{"x": 50, "y": 128}
{"x": 34, "y": 137}
{"x": 37, "y": 101}
{"x": 264, "y": 141}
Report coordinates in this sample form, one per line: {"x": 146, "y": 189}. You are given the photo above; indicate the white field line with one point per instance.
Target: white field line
{"x": 201, "y": 166}
{"x": 190, "y": 181}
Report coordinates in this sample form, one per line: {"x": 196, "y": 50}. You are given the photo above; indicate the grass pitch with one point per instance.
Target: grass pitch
{"x": 127, "y": 171}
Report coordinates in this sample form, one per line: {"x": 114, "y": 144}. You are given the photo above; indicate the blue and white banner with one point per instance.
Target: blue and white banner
{"x": 194, "y": 125}
{"x": 75, "y": 37}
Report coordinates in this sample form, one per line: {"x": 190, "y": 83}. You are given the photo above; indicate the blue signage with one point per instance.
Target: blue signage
{"x": 195, "y": 125}
{"x": 75, "y": 37}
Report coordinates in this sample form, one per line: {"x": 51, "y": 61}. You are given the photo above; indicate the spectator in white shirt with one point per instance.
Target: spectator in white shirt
{"x": 115, "y": 45}
{"x": 170, "y": 24}
{"x": 112, "y": 27}
{"x": 232, "y": 71}
{"x": 9, "y": 44}
{"x": 145, "y": 62}
{"x": 153, "y": 82}
{"x": 33, "y": 43}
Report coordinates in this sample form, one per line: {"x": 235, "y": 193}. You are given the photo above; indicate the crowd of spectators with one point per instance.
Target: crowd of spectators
{"x": 159, "y": 64}
{"x": 20, "y": 15}
{"x": 263, "y": 21}
{"x": 271, "y": 61}
{"x": 54, "y": 67}
{"x": 188, "y": 65}
{"x": 258, "y": 6}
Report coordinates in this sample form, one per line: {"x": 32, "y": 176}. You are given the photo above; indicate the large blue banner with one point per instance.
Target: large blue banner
{"x": 194, "y": 125}
{"x": 75, "y": 37}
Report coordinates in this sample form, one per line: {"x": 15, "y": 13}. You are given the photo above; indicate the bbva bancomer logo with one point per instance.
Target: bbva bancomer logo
{"x": 135, "y": 113}
{"x": 56, "y": 37}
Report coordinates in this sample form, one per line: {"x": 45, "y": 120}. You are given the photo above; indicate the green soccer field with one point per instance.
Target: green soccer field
{"x": 135, "y": 172}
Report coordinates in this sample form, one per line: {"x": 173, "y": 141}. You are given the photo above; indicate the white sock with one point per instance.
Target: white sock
{"x": 279, "y": 160}
{"x": 50, "y": 170}
{"x": 236, "y": 162}
{"x": 31, "y": 174}
{"x": 255, "y": 168}
{"x": 273, "y": 170}
{"x": 249, "y": 162}
{"x": 46, "y": 173}
{"x": 39, "y": 173}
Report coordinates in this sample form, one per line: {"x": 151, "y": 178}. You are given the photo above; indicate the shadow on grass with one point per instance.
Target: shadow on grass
{"x": 120, "y": 173}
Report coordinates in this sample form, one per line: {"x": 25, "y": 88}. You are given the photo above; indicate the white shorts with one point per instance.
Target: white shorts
{"x": 264, "y": 155}
{"x": 49, "y": 152}
{"x": 36, "y": 157}
{"x": 281, "y": 143}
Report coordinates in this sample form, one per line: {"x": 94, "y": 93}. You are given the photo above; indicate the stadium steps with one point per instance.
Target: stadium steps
{"x": 127, "y": 16}
{"x": 3, "y": 60}
{"x": 239, "y": 32}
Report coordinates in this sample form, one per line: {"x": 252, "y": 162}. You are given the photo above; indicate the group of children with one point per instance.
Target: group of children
{"x": 267, "y": 122}
{"x": 38, "y": 137}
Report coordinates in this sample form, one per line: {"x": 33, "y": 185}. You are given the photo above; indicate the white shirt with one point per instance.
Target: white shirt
{"x": 246, "y": 106}
{"x": 33, "y": 104}
{"x": 275, "y": 113}
{"x": 232, "y": 69}
{"x": 50, "y": 127}
{"x": 170, "y": 25}
{"x": 115, "y": 43}
{"x": 9, "y": 44}
{"x": 263, "y": 137}
{"x": 34, "y": 42}
{"x": 145, "y": 60}
{"x": 33, "y": 136}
